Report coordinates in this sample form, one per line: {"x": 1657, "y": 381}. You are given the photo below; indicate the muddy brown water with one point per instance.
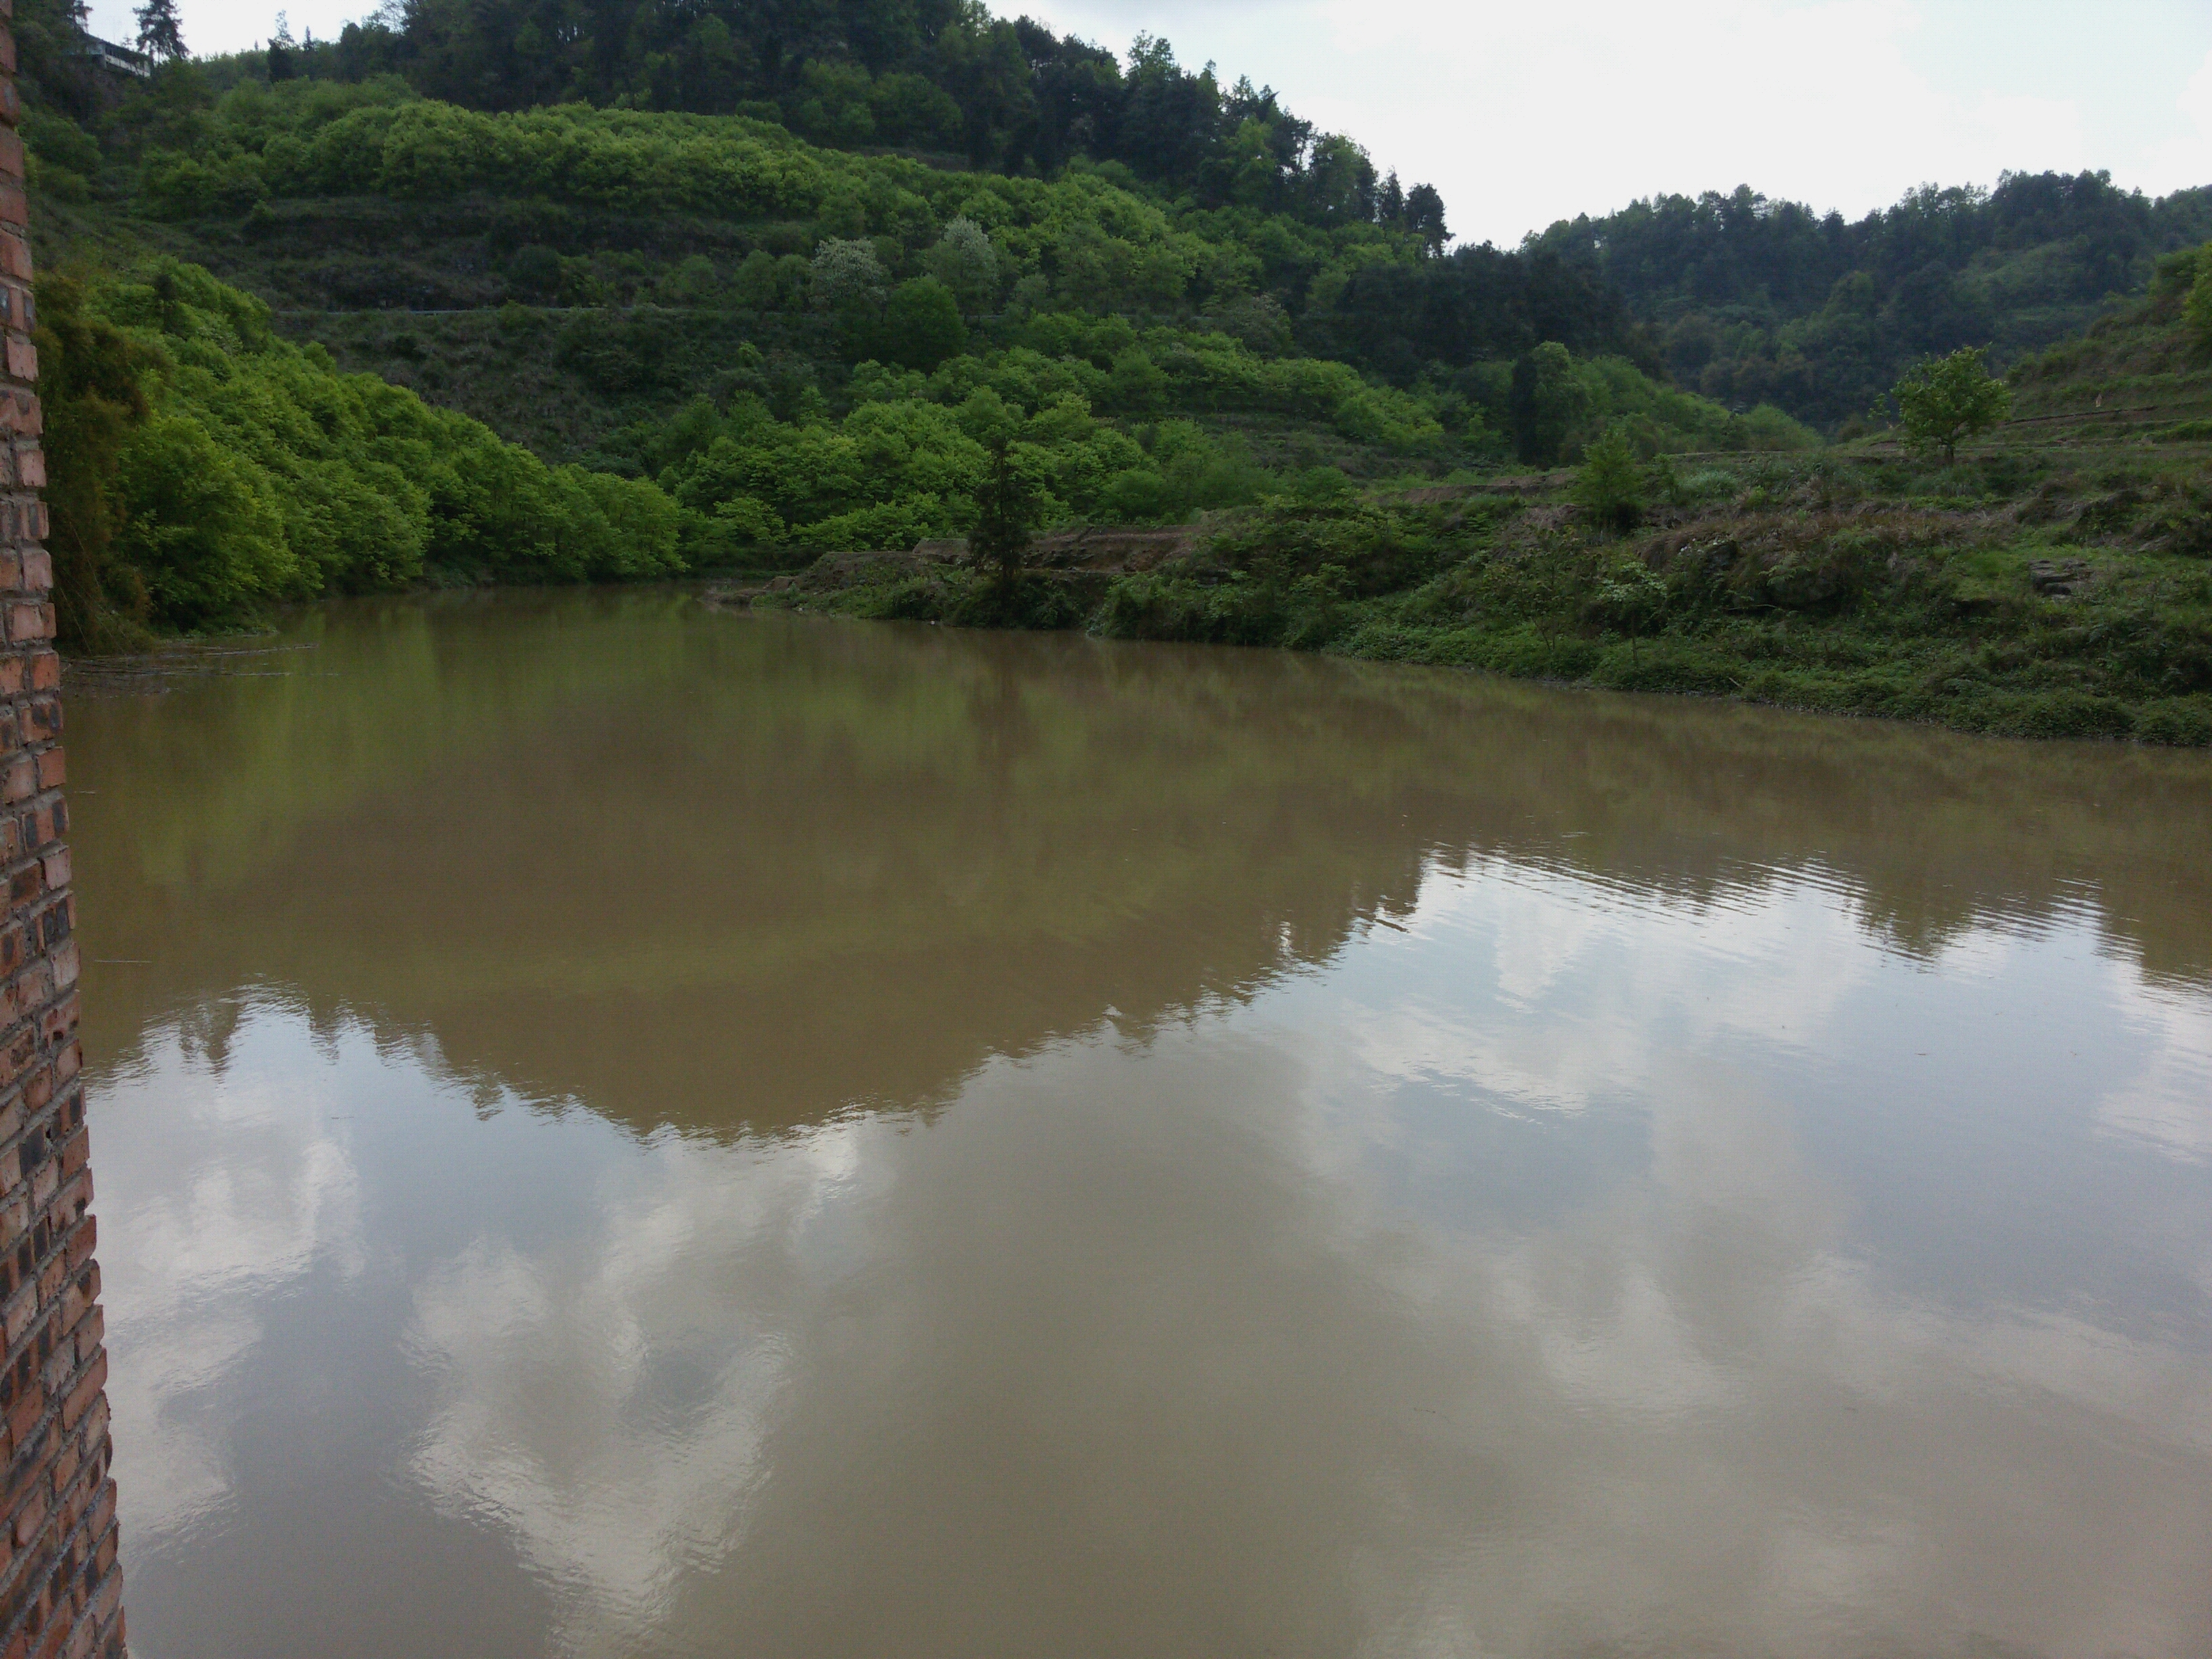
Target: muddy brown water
{"x": 622, "y": 1129}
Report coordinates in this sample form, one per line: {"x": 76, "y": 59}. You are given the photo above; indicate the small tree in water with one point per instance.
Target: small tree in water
{"x": 1006, "y": 508}
{"x": 1942, "y": 400}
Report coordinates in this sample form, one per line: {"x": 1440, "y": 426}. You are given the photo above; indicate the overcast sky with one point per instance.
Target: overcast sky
{"x": 1525, "y": 113}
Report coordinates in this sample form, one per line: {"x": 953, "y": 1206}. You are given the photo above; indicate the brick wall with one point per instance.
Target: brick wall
{"x": 60, "y": 1587}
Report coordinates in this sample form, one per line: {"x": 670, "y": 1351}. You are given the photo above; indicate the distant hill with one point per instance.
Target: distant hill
{"x": 2134, "y": 377}
{"x": 1756, "y": 301}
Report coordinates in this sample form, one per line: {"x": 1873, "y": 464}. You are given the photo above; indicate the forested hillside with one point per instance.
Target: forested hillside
{"x": 791, "y": 275}
{"x": 790, "y": 347}
{"x": 1754, "y": 301}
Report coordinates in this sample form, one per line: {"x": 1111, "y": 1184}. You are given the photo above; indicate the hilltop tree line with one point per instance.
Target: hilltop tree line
{"x": 1753, "y": 299}
{"x": 931, "y": 76}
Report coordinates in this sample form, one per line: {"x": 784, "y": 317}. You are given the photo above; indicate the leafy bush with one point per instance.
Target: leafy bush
{"x": 203, "y": 470}
{"x": 1610, "y": 487}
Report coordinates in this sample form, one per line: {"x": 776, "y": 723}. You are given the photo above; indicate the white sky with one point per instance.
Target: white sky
{"x": 1524, "y": 113}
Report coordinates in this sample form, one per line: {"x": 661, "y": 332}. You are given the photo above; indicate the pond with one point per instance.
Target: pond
{"x": 627, "y": 1128}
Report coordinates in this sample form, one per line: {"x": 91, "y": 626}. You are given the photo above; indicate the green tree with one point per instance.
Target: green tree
{"x": 965, "y": 262}
{"x": 2197, "y": 309}
{"x": 921, "y": 324}
{"x": 91, "y": 383}
{"x": 1546, "y": 401}
{"x": 1942, "y": 400}
{"x": 1006, "y": 513}
{"x": 848, "y": 277}
{"x": 1610, "y": 486}
{"x": 1425, "y": 217}
{"x": 202, "y": 526}
{"x": 160, "y": 31}
{"x": 1136, "y": 383}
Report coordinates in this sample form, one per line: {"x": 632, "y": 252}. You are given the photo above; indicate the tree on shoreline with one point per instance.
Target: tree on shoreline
{"x": 1005, "y": 509}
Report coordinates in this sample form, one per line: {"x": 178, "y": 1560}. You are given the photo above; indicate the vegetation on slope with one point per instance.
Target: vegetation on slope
{"x": 2056, "y": 580}
{"x": 838, "y": 392}
{"x": 203, "y": 468}
{"x": 1751, "y": 300}
{"x": 785, "y": 290}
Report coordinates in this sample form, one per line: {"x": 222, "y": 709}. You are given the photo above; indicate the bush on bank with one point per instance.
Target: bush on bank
{"x": 202, "y": 469}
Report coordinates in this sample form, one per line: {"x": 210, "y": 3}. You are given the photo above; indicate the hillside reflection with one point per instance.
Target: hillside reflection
{"x": 715, "y": 871}
{"x": 625, "y": 1130}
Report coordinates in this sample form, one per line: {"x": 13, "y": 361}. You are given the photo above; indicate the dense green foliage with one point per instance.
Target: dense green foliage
{"x": 2043, "y": 588}
{"x": 1943, "y": 400}
{"x": 1758, "y": 300}
{"x": 810, "y": 349}
{"x": 203, "y": 468}
{"x": 720, "y": 266}
{"x": 1239, "y": 218}
{"x": 929, "y": 75}
{"x": 94, "y": 393}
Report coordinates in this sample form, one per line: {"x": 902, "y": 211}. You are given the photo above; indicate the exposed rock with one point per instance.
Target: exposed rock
{"x": 1112, "y": 547}
{"x": 2058, "y": 579}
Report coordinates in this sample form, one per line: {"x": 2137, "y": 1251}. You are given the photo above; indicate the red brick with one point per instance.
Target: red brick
{"x": 81, "y": 1396}
{"x": 16, "y": 1054}
{"x": 107, "y": 1599}
{"x": 23, "y": 1416}
{"x": 29, "y": 619}
{"x": 60, "y": 1573}
{"x": 82, "y": 1242}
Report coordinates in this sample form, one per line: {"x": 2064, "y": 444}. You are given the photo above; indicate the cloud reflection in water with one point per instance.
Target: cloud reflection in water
{"x": 1531, "y": 1277}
